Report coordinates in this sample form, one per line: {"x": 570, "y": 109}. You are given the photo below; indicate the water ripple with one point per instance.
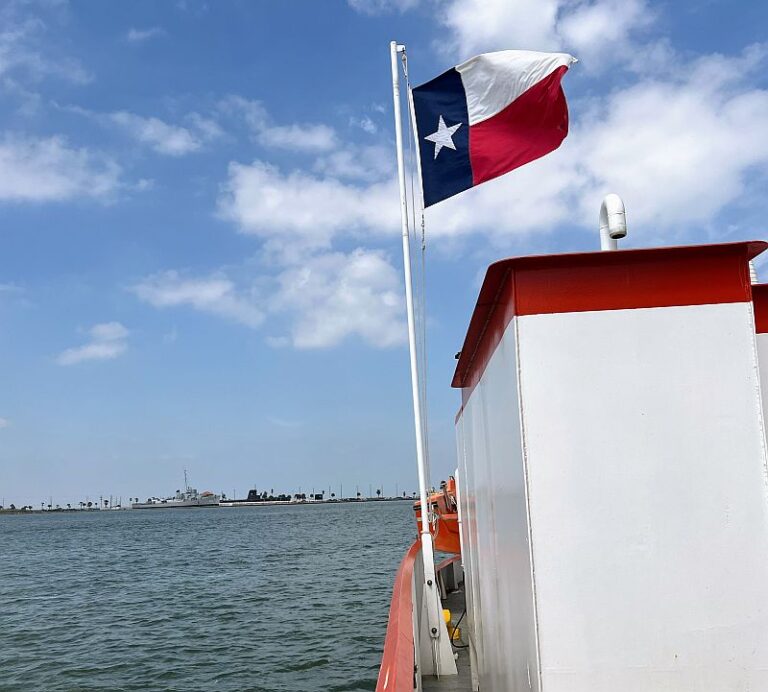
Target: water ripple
{"x": 266, "y": 599}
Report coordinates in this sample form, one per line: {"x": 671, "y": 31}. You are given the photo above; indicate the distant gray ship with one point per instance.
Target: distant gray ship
{"x": 189, "y": 497}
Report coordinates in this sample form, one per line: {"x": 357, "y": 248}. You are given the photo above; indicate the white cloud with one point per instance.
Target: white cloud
{"x": 141, "y": 35}
{"x": 373, "y": 7}
{"x": 107, "y": 341}
{"x": 215, "y": 294}
{"x": 144, "y": 184}
{"x": 324, "y": 299}
{"x": 480, "y": 26}
{"x": 106, "y": 350}
{"x": 536, "y": 197}
{"x": 361, "y": 163}
{"x": 598, "y": 32}
{"x": 365, "y": 123}
{"x": 603, "y": 31}
{"x": 109, "y": 331}
{"x": 28, "y": 49}
{"x": 48, "y": 169}
{"x": 307, "y": 137}
{"x": 4, "y": 423}
{"x": 334, "y": 296}
{"x": 208, "y": 128}
{"x": 163, "y": 138}
{"x": 681, "y": 149}
{"x": 311, "y": 138}
{"x": 303, "y": 210}
{"x": 253, "y": 113}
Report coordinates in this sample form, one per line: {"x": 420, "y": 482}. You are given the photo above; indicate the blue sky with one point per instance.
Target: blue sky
{"x": 199, "y": 241}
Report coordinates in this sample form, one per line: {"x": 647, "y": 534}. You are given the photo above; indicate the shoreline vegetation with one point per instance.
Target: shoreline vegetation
{"x": 224, "y": 504}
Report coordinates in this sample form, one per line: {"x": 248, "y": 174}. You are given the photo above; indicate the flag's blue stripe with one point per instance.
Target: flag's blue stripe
{"x": 451, "y": 171}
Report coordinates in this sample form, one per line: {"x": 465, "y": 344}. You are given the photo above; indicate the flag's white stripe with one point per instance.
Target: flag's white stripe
{"x": 493, "y": 80}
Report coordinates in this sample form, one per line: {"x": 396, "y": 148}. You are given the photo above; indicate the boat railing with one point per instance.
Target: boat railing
{"x": 398, "y": 663}
{"x": 407, "y": 640}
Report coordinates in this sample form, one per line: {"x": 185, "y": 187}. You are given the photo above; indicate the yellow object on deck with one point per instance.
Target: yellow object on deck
{"x": 453, "y": 632}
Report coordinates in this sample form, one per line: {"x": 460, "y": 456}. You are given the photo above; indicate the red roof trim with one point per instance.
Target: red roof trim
{"x": 760, "y": 301}
{"x": 645, "y": 278}
{"x": 397, "y": 661}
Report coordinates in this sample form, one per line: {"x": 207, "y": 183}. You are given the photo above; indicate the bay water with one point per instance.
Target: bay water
{"x": 253, "y": 599}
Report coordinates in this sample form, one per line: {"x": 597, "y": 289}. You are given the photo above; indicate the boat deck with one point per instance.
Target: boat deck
{"x": 463, "y": 681}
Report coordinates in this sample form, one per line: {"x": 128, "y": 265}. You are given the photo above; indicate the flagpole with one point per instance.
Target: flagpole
{"x": 427, "y": 550}
{"x": 417, "y": 156}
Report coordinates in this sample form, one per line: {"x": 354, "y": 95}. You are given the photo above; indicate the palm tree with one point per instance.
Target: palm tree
{"x": 69, "y": 505}
{"x": 378, "y": 493}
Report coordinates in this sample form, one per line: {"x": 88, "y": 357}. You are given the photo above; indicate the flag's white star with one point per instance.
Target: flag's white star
{"x": 444, "y": 136}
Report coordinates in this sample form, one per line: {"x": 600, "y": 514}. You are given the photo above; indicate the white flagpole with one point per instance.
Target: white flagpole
{"x": 420, "y": 457}
{"x": 417, "y": 156}
{"x": 431, "y": 595}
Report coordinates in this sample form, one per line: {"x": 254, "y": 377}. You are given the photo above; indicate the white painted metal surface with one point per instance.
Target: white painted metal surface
{"x": 659, "y": 520}
{"x": 621, "y": 541}
{"x": 613, "y": 222}
{"x": 495, "y": 528}
{"x": 762, "y": 357}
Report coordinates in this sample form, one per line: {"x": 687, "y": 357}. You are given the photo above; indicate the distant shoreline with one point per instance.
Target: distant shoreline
{"x": 226, "y": 504}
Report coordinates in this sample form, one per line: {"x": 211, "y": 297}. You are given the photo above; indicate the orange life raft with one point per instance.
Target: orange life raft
{"x": 445, "y": 522}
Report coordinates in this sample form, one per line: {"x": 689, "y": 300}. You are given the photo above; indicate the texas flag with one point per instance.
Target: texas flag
{"x": 488, "y": 116}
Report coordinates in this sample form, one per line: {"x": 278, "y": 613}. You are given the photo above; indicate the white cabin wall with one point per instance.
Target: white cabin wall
{"x": 647, "y": 490}
{"x": 468, "y": 530}
{"x": 762, "y": 357}
{"x": 496, "y": 527}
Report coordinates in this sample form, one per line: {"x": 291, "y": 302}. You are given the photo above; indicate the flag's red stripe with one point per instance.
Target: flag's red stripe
{"x": 534, "y": 124}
